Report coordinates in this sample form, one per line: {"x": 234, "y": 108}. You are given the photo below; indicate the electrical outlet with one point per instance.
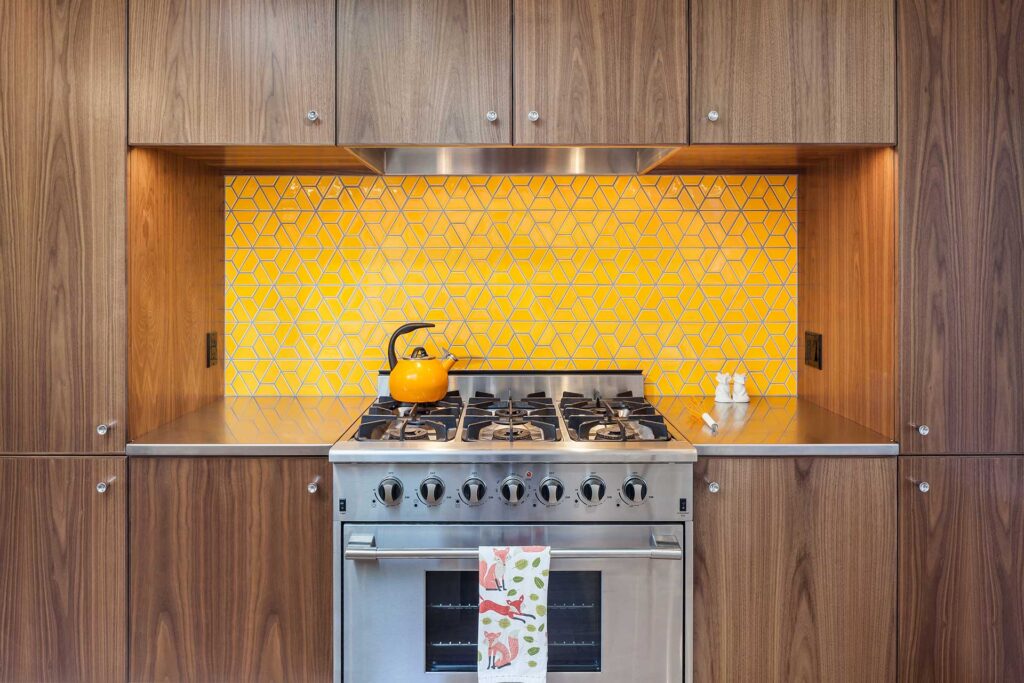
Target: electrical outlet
{"x": 211, "y": 349}
{"x": 812, "y": 349}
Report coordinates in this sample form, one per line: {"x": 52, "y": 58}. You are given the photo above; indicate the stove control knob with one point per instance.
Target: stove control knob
{"x": 513, "y": 489}
{"x": 432, "y": 490}
{"x": 473, "y": 491}
{"x": 389, "y": 491}
{"x": 592, "y": 490}
{"x": 551, "y": 491}
{"x": 634, "y": 490}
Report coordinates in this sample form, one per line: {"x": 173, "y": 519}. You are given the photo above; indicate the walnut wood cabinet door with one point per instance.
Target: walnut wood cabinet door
{"x": 429, "y": 72}
{"x": 961, "y": 587}
{"x": 230, "y": 569}
{"x": 600, "y": 72}
{"x": 62, "y": 569}
{"x": 778, "y": 71}
{"x": 795, "y": 569}
{"x": 231, "y": 72}
{"x": 62, "y": 225}
{"x": 961, "y": 199}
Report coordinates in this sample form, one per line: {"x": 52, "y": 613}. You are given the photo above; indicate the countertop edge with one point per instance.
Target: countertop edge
{"x": 782, "y": 450}
{"x": 214, "y": 450}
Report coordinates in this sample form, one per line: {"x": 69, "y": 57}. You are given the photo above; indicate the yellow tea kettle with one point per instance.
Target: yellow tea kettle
{"x": 419, "y": 378}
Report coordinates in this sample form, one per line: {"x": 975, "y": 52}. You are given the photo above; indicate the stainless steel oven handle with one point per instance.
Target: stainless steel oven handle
{"x": 364, "y": 547}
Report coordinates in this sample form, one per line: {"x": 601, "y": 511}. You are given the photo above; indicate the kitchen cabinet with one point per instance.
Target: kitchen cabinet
{"x": 795, "y": 569}
{"x": 961, "y": 586}
{"x": 961, "y": 199}
{"x": 429, "y": 72}
{"x": 62, "y": 226}
{"x": 777, "y": 71}
{"x": 62, "y": 568}
{"x": 231, "y": 72}
{"x": 600, "y": 72}
{"x": 230, "y": 569}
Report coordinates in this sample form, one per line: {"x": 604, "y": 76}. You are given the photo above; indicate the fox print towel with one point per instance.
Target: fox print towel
{"x": 512, "y": 637}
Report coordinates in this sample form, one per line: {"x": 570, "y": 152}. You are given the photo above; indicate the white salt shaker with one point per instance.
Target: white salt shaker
{"x": 722, "y": 391}
{"x": 739, "y": 388}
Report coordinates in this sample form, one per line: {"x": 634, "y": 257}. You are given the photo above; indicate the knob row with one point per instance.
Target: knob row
{"x": 513, "y": 490}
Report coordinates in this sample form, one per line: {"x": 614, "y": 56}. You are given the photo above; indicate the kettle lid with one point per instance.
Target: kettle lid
{"x": 419, "y": 353}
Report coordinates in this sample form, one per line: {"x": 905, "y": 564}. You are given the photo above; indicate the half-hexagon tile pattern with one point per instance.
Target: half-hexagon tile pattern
{"x": 682, "y": 276}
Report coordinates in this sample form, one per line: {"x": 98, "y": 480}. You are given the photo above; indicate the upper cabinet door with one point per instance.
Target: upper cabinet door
{"x": 62, "y": 226}
{"x": 231, "y": 72}
{"x": 428, "y": 72}
{"x": 600, "y": 72}
{"x": 778, "y": 71}
{"x": 961, "y": 200}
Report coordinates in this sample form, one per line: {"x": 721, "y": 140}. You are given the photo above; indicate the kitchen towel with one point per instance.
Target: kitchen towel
{"x": 512, "y": 638}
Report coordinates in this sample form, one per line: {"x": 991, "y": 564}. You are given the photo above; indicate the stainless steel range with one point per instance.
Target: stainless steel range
{"x": 576, "y": 461}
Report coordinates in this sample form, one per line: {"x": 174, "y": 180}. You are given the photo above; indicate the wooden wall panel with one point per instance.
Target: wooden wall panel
{"x": 847, "y": 285}
{"x": 62, "y": 225}
{"x": 961, "y": 201}
{"x": 63, "y": 569}
{"x": 230, "y": 570}
{"x": 176, "y": 286}
{"x": 795, "y": 569}
{"x": 961, "y": 592}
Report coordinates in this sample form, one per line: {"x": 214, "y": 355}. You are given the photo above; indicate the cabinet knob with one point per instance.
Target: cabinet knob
{"x": 713, "y": 487}
{"x": 492, "y": 116}
{"x": 534, "y": 116}
{"x": 313, "y": 116}
{"x": 923, "y": 430}
{"x": 713, "y": 115}
{"x": 924, "y": 487}
{"x": 102, "y": 487}
{"x": 105, "y": 428}
{"x": 312, "y": 487}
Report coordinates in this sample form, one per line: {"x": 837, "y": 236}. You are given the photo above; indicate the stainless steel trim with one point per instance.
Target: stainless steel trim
{"x": 518, "y": 160}
{"x": 608, "y": 383}
{"x": 376, "y": 159}
{"x": 364, "y": 547}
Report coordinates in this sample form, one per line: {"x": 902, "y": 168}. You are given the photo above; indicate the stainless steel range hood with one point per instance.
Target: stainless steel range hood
{"x": 512, "y": 160}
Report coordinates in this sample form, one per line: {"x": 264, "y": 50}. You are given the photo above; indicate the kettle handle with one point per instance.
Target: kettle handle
{"x": 408, "y": 327}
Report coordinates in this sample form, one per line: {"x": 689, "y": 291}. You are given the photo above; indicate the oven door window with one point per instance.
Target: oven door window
{"x": 574, "y": 621}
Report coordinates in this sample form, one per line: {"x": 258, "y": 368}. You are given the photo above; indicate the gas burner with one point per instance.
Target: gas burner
{"x": 622, "y": 418}
{"x": 520, "y": 431}
{"x": 451, "y": 404}
{"x": 489, "y": 428}
{"x": 390, "y": 420}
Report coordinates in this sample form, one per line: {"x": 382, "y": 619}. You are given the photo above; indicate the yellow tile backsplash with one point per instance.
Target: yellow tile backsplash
{"x": 682, "y": 276}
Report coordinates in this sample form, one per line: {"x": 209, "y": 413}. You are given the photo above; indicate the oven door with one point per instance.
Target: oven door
{"x": 616, "y": 597}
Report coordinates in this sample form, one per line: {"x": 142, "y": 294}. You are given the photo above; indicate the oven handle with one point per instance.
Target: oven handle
{"x": 364, "y": 547}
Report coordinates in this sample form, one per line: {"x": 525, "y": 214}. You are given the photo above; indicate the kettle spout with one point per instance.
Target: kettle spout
{"x": 448, "y": 361}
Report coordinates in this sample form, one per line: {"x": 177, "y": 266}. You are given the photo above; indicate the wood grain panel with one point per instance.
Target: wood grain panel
{"x": 962, "y": 225}
{"x": 424, "y": 72}
{"x": 230, "y": 570}
{"x": 62, "y": 194}
{"x": 749, "y": 158}
{"x": 779, "y": 71}
{"x": 176, "y": 286}
{"x": 63, "y": 569}
{"x": 600, "y": 72}
{"x": 274, "y": 158}
{"x": 961, "y": 606}
{"x": 795, "y": 570}
{"x": 231, "y": 71}
{"x": 847, "y": 285}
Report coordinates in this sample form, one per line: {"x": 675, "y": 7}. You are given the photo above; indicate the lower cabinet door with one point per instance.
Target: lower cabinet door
{"x": 62, "y": 568}
{"x": 795, "y": 569}
{"x": 230, "y": 569}
{"x": 961, "y": 608}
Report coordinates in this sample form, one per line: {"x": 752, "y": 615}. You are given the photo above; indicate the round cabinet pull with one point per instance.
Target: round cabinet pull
{"x": 313, "y": 116}
{"x": 713, "y": 487}
{"x": 924, "y": 487}
{"x": 102, "y": 487}
{"x": 312, "y": 487}
{"x": 492, "y": 116}
{"x": 105, "y": 428}
{"x": 923, "y": 430}
{"x": 534, "y": 116}
{"x": 713, "y": 115}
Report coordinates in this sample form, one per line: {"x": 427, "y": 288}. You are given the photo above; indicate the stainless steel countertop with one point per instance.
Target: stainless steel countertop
{"x": 284, "y": 425}
{"x": 770, "y": 426}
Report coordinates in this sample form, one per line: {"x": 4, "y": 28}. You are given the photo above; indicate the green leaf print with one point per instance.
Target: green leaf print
{"x": 541, "y": 627}
{"x": 533, "y": 651}
{"x": 512, "y": 593}
{"x": 504, "y": 623}
{"x": 536, "y": 562}
{"x": 479, "y": 656}
{"x": 545, "y": 572}
{"x": 541, "y": 610}
{"x": 528, "y": 639}
{"x": 532, "y": 663}
{"x": 534, "y": 597}
{"x": 536, "y": 580}
{"x": 531, "y": 627}
{"x": 521, "y": 565}
{"x": 486, "y": 620}
{"x": 517, "y": 579}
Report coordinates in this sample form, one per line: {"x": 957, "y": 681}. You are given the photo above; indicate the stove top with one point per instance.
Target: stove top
{"x": 390, "y": 420}
{"x": 531, "y": 418}
{"x": 623, "y": 417}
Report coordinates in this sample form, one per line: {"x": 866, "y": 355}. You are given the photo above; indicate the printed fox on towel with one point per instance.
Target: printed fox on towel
{"x": 513, "y": 637}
